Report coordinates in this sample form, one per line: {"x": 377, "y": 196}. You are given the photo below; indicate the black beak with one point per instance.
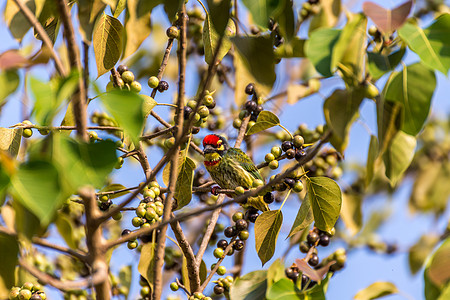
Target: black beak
{"x": 209, "y": 149}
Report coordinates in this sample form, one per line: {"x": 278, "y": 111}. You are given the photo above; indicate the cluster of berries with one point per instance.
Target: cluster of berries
{"x": 309, "y": 8}
{"x": 117, "y": 288}
{"x": 223, "y": 284}
{"x": 28, "y": 291}
{"x": 252, "y": 107}
{"x": 292, "y": 181}
{"x": 278, "y": 40}
{"x": 315, "y": 238}
{"x": 103, "y": 119}
{"x": 202, "y": 115}
{"x": 160, "y": 85}
{"x": 76, "y": 295}
{"x": 239, "y": 229}
{"x": 125, "y": 81}
{"x": 105, "y": 203}
{"x": 293, "y": 273}
{"x": 325, "y": 164}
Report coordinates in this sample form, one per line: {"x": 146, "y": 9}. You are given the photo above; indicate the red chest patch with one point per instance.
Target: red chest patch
{"x": 211, "y": 163}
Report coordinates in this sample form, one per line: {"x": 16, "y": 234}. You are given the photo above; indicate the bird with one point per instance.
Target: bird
{"x": 231, "y": 167}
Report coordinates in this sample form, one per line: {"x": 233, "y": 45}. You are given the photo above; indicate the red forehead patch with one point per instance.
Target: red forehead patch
{"x": 211, "y": 139}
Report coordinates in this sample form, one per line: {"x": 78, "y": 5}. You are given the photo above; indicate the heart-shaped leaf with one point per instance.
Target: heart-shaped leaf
{"x": 386, "y": 20}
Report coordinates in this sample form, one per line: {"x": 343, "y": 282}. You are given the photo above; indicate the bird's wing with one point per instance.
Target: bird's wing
{"x": 245, "y": 162}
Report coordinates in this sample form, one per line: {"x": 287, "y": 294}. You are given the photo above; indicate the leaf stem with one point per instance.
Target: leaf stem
{"x": 204, "y": 8}
{"x": 285, "y": 198}
{"x": 166, "y": 104}
{"x": 285, "y": 129}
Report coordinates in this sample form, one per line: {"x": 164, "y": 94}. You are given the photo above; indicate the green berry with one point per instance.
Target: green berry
{"x": 156, "y": 190}
{"x": 172, "y": 32}
{"x": 274, "y": 164}
{"x": 135, "y": 87}
{"x": 239, "y": 190}
{"x": 192, "y": 104}
{"x": 120, "y": 83}
{"x": 153, "y": 82}
{"x": 110, "y": 86}
{"x": 151, "y": 214}
{"x": 257, "y": 183}
{"x": 14, "y": 293}
{"x": 244, "y": 113}
{"x": 128, "y": 77}
{"x": 149, "y": 194}
{"x": 104, "y": 198}
{"x": 24, "y": 294}
{"x": 298, "y": 141}
{"x": 168, "y": 143}
{"x": 145, "y": 290}
{"x": 93, "y": 135}
{"x": 218, "y": 253}
{"x": 371, "y": 91}
{"x": 373, "y": 30}
{"x": 203, "y": 111}
{"x": 298, "y": 187}
{"x": 269, "y": 157}
{"x": 237, "y": 123}
{"x": 140, "y": 211}
{"x": 27, "y": 132}
{"x": 154, "y": 184}
{"x": 244, "y": 235}
{"x": 43, "y": 131}
{"x": 174, "y": 286}
{"x": 159, "y": 210}
{"x": 208, "y": 100}
{"x": 221, "y": 270}
{"x": 118, "y": 216}
{"x": 136, "y": 221}
{"x": 237, "y": 216}
{"x": 132, "y": 245}
{"x": 276, "y": 151}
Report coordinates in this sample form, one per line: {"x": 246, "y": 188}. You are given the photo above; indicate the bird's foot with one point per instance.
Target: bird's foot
{"x": 214, "y": 190}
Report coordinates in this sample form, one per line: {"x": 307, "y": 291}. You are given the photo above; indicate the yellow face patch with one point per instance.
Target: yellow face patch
{"x": 212, "y": 159}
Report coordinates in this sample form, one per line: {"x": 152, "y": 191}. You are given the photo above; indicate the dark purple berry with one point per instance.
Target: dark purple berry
{"x": 259, "y": 109}
{"x": 250, "y": 89}
{"x": 126, "y": 231}
{"x": 252, "y": 217}
{"x": 253, "y": 117}
{"x": 187, "y": 112}
{"x": 290, "y": 153}
{"x": 268, "y": 198}
{"x": 230, "y": 231}
{"x": 314, "y": 260}
{"x": 241, "y": 224}
{"x": 324, "y": 240}
{"x": 163, "y": 86}
{"x": 250, "y": 105}
{"x": 222, "y": 244}
{"x": 299, "y": 154}
{"x": 286, "y": 145}
{"x": 289, "y": 181}
{"x": 121, "y": 69}
{"x": 304, "y": 247}
{"x": 219, "y": 289}
{"x": 195, "y": 130}
{"x": 104, "y": 206}
{"x": 238, "y": 245}
{"x": 271, "y": 24}
{"x": 304, "y": 280}
{"x": 312, "y": 238}
{"x": 291, "y": 274}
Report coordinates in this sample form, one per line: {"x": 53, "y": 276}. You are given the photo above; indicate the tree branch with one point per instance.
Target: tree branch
{"x": 78, "y": 100}
{"x": 43, "y": 34}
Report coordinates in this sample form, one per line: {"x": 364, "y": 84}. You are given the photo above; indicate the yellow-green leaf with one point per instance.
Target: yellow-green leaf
{"x": 137, "y": 27}
{"x": 211, "y": 39}
{"x": 250, "y": 286}
{"x": 107, "y": 43}
{"x": 147, "y": 262}
{"x": 267, "y": 228}
{"x": 8, "y": 261}
{"x": 328, "y": 16}
{"x": 9, "y": 81}
{"x": 371, "y": 157}
{"x": 303, "y": 219}
{"x": 326, "y": 199}
{"x": 266, "y": 120}
{"x": 398, "y": 156}
{"x": 376, "y": 290}
{"x": 10, "y": 140}
{"x": 183, "y": 188}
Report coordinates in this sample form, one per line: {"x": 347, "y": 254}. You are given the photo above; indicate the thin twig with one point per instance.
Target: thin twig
{"x": 159, "y": 133}
{"x": 43, "y": 34}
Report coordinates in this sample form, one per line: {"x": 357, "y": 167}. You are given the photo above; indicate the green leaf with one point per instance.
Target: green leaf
{"x": 16, "y": 21}
{"x": 328, "y": 16}
{"x": 380, "y": 64}
{"x": 431, "y": 44}
{"x": 88, "y": 13}
{"x": 114, "y": 187}
{"x": 376, "y": 290}
{"x": 445, "y": 293}
{"x": 146, "y": 264}
{"x": 121, "y": 4}
{"x": 283, "y": 289}
{"x": 266, "y": 120}
{"x": 267, "y": 228}
{"x": 37, "y": 185}
{"x": 286, "y": 21}
{"x": 10, "y": 140}
{"x": 257, "y": 56}
{"x": 438, "y": 270}
{"x": 219, "y": 14}
{"x": 419, "y": 252}
{"x": 319, "y": 49}
{"x": 319, "y": 290}
{"x": 398, "y": 156}
{"x": 125, "y": 276}
{"x": 8, "y": 261}
{"x": 262, "y": 10}
{"x": 389, "y": 122}
{"x": 275, "y": 272}
{"x": 341, "y": 109}
{"x": 371, "y": 157}
{"x": 183, "y": 188}
{"x": 137, "y": 27}
{"x": 9, "y": 81}
{"x": 107, "y": 43}
{"x": 350, "y": 49}
{"x": 293, "y": 48}
{"x": 172, "y": 7}
{"x": 68, "y": 230}
{"x": 351, "y": 212}
{"x": 149, "y": 104}
{"x": 325, "y": 197}
{"x": 303, "y": 219}
{"x": 127, "y": 109}
{"x": 84, "y": 163}
{"x": 407, "y": 88}
{"x": 250, "y": 286}
{"x": 26, "y": 222}
{"x": 432, "y": 292}
{"x": 211, "y": 40}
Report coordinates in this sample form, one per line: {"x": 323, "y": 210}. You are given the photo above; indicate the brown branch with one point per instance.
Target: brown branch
{"x": 43, "y": 34}
{"x": 209, "y": 231}
{"x": 179, "y": 119}
{"x": 86, "y": 70}
{"x": 163, "y": 65}
{"x": 99, "y": 275}
{"x": 81, "y": 255}
{"x": 51, "y": 128}
{"x": 159, "y": 133}
{"x": 193, "y": 273}
{"x": 95, "y": 242}
{"x": 242, "y": 131}
{"x": 78, "y": 100}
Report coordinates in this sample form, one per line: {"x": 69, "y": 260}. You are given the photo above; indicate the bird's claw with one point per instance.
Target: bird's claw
{"x": 214, "y": 190}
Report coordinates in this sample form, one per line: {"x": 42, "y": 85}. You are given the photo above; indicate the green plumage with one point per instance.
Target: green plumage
{"x": 237, "y": 169}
